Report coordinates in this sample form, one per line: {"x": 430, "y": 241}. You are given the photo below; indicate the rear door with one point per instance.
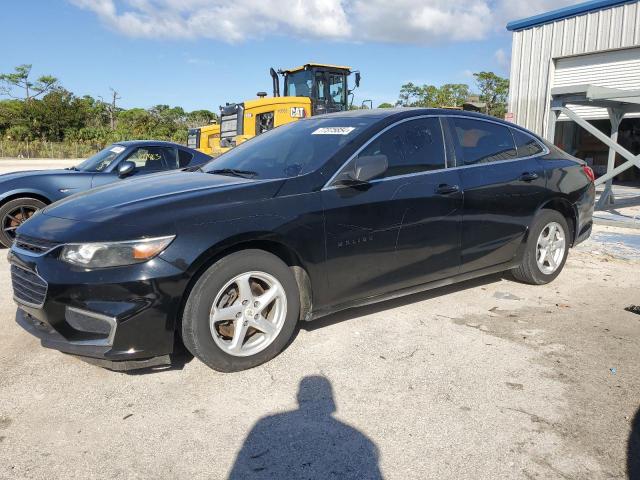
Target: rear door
{"x": 503, "y": 188}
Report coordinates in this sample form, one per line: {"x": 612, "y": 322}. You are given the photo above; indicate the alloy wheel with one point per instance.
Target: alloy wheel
{"x": 16, "y": 217}
{"x": 248, "y": 313}
{"x": 550, "y": 248}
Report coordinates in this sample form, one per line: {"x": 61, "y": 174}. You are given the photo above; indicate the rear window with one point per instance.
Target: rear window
{"x": 483, "y": 142}
{"x": 526, "y": 145}
{"x": 184, "y": 158}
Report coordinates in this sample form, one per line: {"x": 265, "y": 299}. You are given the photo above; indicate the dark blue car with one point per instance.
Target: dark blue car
{"x": 24, "y": 193}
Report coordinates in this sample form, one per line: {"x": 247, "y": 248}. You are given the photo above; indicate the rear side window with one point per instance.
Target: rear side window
{"x": 184, "y": 158}
{"x": 526, "y": 145}
{"x": 483, "y": 142}
{"x": 411, "y": 147}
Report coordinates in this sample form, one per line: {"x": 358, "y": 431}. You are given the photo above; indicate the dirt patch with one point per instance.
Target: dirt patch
{"x": 597, "y": 355}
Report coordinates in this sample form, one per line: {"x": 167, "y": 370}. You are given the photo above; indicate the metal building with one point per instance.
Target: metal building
{"x": 592, "y": 44}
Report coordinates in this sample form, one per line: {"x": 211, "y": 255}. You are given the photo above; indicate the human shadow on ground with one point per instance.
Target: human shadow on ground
{"x": 307, "y": 443}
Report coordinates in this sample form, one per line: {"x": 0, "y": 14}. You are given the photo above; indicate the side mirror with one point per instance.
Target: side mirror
{"x": 364, "y": 169}
{"x": 126, "y": 168}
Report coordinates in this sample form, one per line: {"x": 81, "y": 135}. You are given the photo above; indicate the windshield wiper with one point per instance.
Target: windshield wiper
{"x": 234, "y": 172}
{"x": 75, "y": 169}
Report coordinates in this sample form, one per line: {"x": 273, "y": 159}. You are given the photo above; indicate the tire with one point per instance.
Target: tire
{"x": 9, "y": 220}
{"x": 211, "y": 340}
{"x": 530, "y": 270}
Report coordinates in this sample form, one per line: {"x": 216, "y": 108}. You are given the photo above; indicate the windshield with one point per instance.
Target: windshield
{"x": 299, "y": 84}
{"x": 101, "y": 160}
{"x": 291, "y": 150}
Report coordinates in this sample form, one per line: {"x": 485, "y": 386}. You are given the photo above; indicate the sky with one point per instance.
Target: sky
{"x": 200, "y": 54}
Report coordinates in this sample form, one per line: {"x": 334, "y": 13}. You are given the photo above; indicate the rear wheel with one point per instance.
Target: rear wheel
{"x": 546, "y": 250}
{"x": 13, "y": 214}
{"x": 242, "y": 311}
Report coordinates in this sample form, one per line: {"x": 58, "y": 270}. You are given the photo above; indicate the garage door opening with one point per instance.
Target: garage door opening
{"x": 582, "y": 144}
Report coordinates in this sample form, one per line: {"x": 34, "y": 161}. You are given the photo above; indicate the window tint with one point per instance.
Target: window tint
{"x": 154, "y": 159}
{"x": 526, "y": 145}
{"x": 184, "y": 158}
{"x": 483, "y": 142}
{"x": 411, "y": 147}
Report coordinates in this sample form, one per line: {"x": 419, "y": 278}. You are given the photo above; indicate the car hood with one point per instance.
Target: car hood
{"x": 167, "y": 195}
{"x": 34, "y": 173}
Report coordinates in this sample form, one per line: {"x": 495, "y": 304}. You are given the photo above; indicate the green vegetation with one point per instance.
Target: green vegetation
{"x": 41, "y": 118}
{"x": 493, "y": 94}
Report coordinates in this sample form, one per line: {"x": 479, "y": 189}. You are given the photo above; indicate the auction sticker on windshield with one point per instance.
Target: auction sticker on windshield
{"x": 117, "y": 149}
{"x": 334, "y": 131}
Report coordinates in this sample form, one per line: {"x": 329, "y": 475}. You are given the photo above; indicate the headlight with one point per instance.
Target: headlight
{"x": 114, "y": 254}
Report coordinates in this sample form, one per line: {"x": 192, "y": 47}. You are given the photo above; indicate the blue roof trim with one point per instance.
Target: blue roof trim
{"x": 566, "y": 12}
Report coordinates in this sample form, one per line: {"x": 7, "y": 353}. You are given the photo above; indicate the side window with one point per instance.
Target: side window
{"x": 411, "y": 147}
{"x": 336, "y": 89}
{"x": 483, "y": 142}
{"x": 184, "y": 158}
{"x": 154, "y": 159}
{"x": 526, "y": 145}
{"x": 321, "y": 85}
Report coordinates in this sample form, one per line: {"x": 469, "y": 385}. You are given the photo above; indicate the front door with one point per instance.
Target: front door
{"x": 400, "y": 229}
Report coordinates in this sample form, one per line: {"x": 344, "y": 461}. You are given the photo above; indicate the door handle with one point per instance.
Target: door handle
{"x": 446, "y": 189}
{"x": 528, "y": 176}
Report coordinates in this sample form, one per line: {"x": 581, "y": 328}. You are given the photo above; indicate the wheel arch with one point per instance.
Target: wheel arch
{"x": 13, "y": 195}
{"x": 568, "y": 211}
{"x": 275, "y": 246}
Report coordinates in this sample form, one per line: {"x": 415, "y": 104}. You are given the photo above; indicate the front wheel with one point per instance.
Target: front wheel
{"x": 13, "y": 214}
{"x": 546, "y": 251}
{"x": 242, "y": 311}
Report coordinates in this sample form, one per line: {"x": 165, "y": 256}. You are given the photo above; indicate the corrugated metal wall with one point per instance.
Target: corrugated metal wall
{"x": 614, "y": 68}
{"x": 535, "y": 49}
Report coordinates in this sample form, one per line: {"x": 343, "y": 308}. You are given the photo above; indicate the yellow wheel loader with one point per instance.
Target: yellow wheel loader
{"x": 205, "y": 139}
{"x": 312, "y": 89}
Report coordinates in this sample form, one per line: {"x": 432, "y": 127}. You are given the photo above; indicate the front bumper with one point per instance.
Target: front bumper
{"x": 120, "y": 318}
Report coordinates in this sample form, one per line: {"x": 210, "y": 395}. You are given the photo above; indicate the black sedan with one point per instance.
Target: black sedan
{"x": 305, "y": 220}
{"x": 24, "y": 193}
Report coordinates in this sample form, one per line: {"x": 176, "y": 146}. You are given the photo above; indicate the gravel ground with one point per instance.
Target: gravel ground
{"x": 486, "y": 379}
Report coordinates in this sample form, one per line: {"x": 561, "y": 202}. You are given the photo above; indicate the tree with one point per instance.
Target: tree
{"x": 198, "y": 118}
{"x": 20, "y": 79}
{"x": 448, "y": 95}
{"x": 385, "y": 105}
{"x": 111, "y": 107}
{"x": 494, "y": 91}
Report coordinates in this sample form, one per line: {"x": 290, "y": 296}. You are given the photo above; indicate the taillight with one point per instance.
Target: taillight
{"x": 588, "y": 171}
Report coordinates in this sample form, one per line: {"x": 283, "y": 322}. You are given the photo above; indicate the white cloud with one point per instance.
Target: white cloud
{"x": 399, "y": 21}
{"x": 502, "y": 59}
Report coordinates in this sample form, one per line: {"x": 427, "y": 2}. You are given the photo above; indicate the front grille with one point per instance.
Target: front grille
{"x": 34, "y": 245}
{"x": 28, "y": 287}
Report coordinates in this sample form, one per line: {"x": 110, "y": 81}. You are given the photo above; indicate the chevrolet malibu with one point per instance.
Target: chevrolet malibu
{"x": 308, "y": 219}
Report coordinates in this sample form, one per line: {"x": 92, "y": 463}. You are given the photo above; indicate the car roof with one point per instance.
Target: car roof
{"x": 139, "y": 143}
{"x": 407, "y": 112}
